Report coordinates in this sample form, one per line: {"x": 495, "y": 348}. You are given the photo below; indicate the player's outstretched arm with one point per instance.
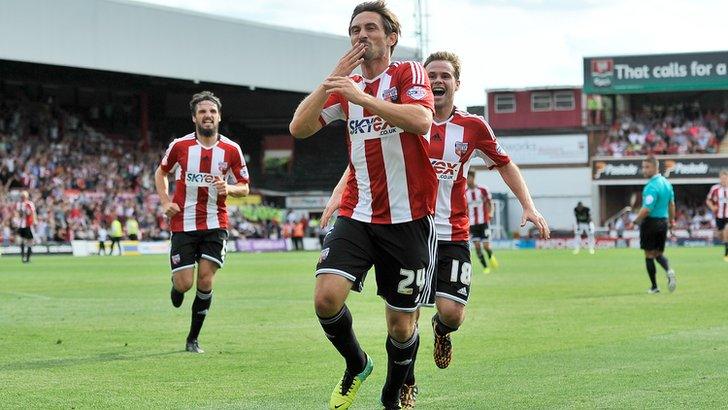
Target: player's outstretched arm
{"x": 512, "y": 177}
{"x": 334, "y": 202}
{"x": 305, "y": 120}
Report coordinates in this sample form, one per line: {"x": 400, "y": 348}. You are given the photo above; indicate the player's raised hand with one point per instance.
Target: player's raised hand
{"x": 351, "y": 60}
{"x": 346, "y": 87}
{"x": 221, "y": 186}
{"x": 170, "y": 209}
{"x": 538, "y": 220}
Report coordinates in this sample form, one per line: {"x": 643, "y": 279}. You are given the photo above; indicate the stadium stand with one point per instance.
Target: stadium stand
{"x": 672, "y": 131}
{"x": 81, "y": 178}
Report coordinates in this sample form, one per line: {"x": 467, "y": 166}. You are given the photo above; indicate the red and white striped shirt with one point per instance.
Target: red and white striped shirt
{"x": 453, "y": 143}
{"x": 477, "y": 198}
{"x": 719, "y": 195}
{"x": 196, "y": 169}
{"x": 390, "y": 176}
{"x": 27, "y": 211}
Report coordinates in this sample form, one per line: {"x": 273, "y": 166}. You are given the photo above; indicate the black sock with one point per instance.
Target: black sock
{"x": 399, "y": 361}
{"x": 651, "y": 271}
{"x": 30, "y": 251}
{"x": 726, "y": 249}
{"x": 441, "y": 328}
{"x": 410, "y": 379}
{"x": 22, "y": 251}
{"x": 662, "y": 260}
{"x": 339, "y": 331}
{"x": 489, "y": 252}
{"x": 480, "y": 257}
{"x": 199, "y": 312}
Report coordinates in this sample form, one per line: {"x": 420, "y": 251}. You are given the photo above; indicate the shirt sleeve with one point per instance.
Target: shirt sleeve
{"x": 169, "y": 160}
{"x": 413, "y": 85}
{"x": 239, "y": 168}
{"x": 649, "y": 197}
{"x": 487, "y": 147}
{"x": 332, "y": 110}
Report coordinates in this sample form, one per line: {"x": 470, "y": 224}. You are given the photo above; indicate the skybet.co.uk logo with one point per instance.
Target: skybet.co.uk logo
{"x": 199, "y": 179}
{"x": 371, "y": 127}
{"x": 445, "y": 171}
{"x": 602, "y": 71}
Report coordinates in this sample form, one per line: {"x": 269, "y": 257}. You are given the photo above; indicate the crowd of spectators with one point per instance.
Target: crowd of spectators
{"x": 669, "y": 132}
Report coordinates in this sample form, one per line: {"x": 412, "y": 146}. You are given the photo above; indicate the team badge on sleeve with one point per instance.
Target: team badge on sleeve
{"x": 417, "y": 92}
{"x": 176, "y": 259}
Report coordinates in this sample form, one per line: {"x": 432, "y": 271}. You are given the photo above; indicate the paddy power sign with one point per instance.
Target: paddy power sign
{"x": 674, "y": 168}
{"x": 656, "y": 73}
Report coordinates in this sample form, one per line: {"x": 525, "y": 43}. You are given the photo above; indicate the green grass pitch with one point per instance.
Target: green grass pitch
{"x": 546, "y": 330}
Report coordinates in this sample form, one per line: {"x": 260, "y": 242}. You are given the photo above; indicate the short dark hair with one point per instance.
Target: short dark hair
{"x": 204, "y": 96}
{"x": 446, "y": 56}
{"x": 652, "y": 160}
{"x": 389, "y": 19}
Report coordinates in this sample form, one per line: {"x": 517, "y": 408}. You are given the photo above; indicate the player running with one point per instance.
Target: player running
{"x": 387, "y": 197}
{"x": 717, "y": 201}
{"x": 455, "y": 138}
{"x": 26, "y": 211}
{"x": 480, "y": 205}
{"x": 583, "y": 225}
{"x": 202, "y": 162}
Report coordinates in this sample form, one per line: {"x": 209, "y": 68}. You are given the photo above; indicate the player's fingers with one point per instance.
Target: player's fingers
{"x": 325, "y": 219}
{"x": 355, "y": 49}
{"x": 523, "y": 221}
{"x": 545, "y": 231}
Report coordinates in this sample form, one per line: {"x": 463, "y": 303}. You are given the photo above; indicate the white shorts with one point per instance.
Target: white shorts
{"x": 584, "y": 227}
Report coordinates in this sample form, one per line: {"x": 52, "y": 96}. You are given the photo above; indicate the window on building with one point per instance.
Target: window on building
{"x": 564, "y": 100}
{"x": 540, "y": 101}
{"x": 505, "y": 103}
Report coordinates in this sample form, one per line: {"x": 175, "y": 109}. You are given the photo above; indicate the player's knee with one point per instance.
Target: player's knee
{"x": 204, "y": 283}
{"x": 326, "y": 304}
{"x": 453, "y": 316}
{"x": 401, "y": 327}
{"x": 182, "y": 284}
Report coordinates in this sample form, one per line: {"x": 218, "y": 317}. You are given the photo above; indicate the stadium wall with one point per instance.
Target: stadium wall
{"x": 136, "y": 38}
{"x": 555, "y": 192}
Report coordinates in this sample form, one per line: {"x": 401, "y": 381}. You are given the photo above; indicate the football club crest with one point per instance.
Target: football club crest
{"x": 324, "y": 254}
{"x": 176, "y": 259}
{"x": 461, "y": 148}
{"x": 222, "y": 166}
{"x": 390, "y": 94}
{"x": 602, "y": 71}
